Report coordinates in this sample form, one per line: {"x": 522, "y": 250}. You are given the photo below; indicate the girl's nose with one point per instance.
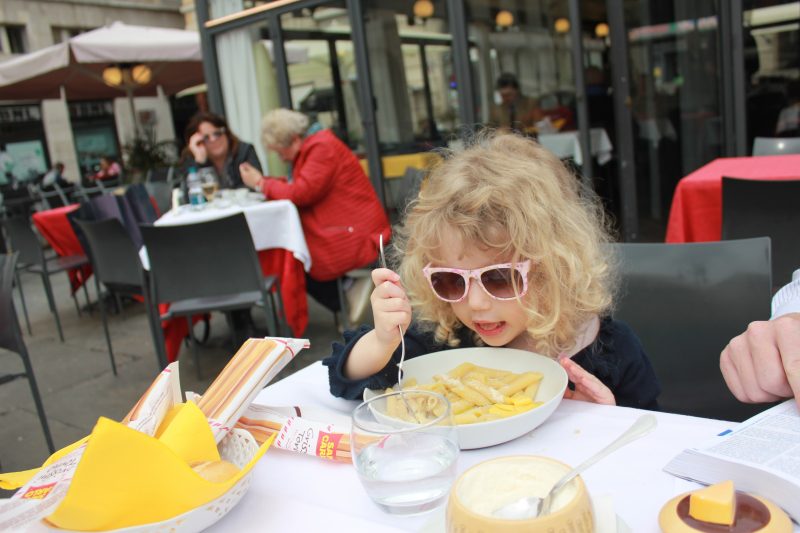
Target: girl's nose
{"x": 477, "y": 297}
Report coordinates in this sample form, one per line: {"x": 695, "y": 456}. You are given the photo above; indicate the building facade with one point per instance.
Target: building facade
{"x": 39, "y": 133}
{"x": 643, "y": 92}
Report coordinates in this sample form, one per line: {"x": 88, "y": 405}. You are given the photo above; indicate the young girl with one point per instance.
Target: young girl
{"x": 502, "y": 248}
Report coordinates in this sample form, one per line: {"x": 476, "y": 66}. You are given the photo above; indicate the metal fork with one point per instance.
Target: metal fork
{"x": 402, "y": 345}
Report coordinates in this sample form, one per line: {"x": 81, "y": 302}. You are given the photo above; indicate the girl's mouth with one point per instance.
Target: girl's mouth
{"x": 489, "y": 329}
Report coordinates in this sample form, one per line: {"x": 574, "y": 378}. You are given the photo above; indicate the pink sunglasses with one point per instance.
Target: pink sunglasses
{"x": 505, "y": 281}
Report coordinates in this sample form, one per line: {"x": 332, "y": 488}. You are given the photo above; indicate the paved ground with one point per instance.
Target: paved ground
{"x": 75, "y": 377}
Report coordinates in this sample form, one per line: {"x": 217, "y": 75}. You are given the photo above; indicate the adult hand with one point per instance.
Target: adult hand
{"x": 587, "y": 387}
{"x": 251, "y": 176}
{"x": 390, "y": 307}
{"x": 198, "y": 148}
{"x": 763, "y": 363}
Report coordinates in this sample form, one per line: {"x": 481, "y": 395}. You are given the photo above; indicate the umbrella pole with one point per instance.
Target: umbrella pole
{"x": 136, "y": 127}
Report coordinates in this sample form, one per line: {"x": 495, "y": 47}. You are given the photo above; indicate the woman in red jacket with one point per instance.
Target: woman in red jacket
{"x": 341, "y": 215}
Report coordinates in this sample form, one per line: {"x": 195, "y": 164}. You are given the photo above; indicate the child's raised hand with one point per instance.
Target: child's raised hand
{"x": 587, "y": 387}
{"x": 390, "y": 306}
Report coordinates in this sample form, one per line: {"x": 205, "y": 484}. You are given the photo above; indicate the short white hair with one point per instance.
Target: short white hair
{"x": 280, "y": 126}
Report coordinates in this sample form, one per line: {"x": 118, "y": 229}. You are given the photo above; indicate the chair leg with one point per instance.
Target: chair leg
{"x": 229, "y": 320}
{"x": 344, "y": 311}
{"x": 22, "y": 300}
{"x": 75, "y": 301}
{"x": 86, "y": 293}
{"x": 50, "y": 300}
{"x": 104, "y": 316}
{"x": 36, "y": 398}
{"x": 195, "y": 349}
{"x": 154, "y": 320}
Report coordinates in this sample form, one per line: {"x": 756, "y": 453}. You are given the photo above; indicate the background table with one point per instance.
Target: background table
{"x": 282, "y": 251}
{"x": 291, "y": 492}
{"x": 568, "y": 144}
{"x": 56, "y": 229}
{"x": 696, "y": 212}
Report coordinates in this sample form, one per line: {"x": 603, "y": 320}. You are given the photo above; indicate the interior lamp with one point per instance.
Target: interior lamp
{"x": 562, "y": 25}
{"x": 423, "y": 9}
{"x": 601, "y": 30}
{"x": 504, "y": 18}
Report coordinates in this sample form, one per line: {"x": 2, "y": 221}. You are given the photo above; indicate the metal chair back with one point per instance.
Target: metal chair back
{"x": 765, "y": 208}
{"x": 685, "y": 302}
{"x": 776, "y": 145}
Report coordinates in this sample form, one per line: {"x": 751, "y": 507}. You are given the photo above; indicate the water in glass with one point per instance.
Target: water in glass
{"x": 408, "y": 464}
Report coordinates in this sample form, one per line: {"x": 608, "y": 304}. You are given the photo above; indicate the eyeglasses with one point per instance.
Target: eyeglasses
{"x": 214, "y": 135}
{"x": 506, "y": 281}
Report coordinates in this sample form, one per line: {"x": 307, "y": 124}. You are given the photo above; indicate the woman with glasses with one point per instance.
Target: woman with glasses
{"x": 211, "y": 143}
{"x": 502, "y": 248}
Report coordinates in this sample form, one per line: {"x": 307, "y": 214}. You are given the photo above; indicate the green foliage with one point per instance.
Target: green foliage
{"x": 145, "y": 153}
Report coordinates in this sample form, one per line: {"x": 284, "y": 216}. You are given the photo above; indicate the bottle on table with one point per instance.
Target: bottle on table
{"x": 195, "y": 189}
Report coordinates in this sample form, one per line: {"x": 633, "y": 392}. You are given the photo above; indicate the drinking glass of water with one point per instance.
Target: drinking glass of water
{"x": 405, "y": 449}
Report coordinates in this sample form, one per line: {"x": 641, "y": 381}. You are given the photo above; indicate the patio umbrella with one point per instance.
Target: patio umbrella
{"x": 166, "y": 57}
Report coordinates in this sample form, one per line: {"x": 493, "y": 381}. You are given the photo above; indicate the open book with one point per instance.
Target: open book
{"x": 761, "y": 456}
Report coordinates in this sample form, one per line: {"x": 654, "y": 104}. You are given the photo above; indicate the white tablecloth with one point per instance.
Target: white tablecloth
{"x": 568, "y": 144}
{"x": 273, "y": 224}
{"x": 300, "y": 493}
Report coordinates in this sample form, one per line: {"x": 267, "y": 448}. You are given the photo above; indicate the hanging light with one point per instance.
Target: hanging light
{"x": 127, "y": 75}
{"x": 601, "y": 30}
{"x": 423, "y": 9}
{"x": 562, "y": 25}
{"x": 504, "y": 18}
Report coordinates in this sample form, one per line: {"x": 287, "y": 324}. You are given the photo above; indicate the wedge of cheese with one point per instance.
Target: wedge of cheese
{"x": 715, "y": 504}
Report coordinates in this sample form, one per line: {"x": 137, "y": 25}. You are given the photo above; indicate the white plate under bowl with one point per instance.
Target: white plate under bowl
{"x": 483, "y": 434}
{"x": 238, "y": 448}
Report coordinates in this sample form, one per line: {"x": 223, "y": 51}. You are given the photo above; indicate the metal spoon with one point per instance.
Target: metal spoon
{"x": 531, "y": 506}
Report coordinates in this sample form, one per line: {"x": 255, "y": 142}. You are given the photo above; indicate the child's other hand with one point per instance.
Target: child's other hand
{"x": 587, "y": 387}
{"x": 390, "y": 307}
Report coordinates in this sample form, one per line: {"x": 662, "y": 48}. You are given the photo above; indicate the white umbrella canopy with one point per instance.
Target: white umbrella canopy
{"x": 77, "y": 65}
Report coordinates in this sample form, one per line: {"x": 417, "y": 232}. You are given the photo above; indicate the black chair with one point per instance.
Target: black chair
{"x": 776, "y": 145}
{"x": 162, "y": 193}
{"x": 765, "y": 208}
{"x": 52, "y": 196}
{"x": 11, "y": 339}
{"x": 210, "y": 266}
{"x": 32, "y": 259}
{"x": 685, "y": 302}
{"x": 117, "y": 266}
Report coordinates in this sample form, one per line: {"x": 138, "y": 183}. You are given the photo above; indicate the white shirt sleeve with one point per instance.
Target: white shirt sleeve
{"x": 787, "y": 300}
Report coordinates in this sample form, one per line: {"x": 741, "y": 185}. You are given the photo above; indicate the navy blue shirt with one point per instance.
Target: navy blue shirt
{"x": 616, "y": 358}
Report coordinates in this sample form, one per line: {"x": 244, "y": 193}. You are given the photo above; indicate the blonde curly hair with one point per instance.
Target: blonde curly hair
{"x": 506, "y": 193}
{"x": 280, "y": 126}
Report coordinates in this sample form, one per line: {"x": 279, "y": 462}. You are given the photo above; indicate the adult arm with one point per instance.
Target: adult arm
{"x": 763, "y": 363}
{"x": 311, "y": 183}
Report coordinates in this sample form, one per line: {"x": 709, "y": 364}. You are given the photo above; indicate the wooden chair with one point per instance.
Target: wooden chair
{"x": 685, "y": 302}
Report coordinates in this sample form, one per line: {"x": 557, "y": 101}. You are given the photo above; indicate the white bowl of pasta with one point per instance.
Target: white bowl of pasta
{"x": 497, "y": 394}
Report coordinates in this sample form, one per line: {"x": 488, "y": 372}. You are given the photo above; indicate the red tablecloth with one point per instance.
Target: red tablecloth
{"x": 696, "y": 212}
{"x": 292, "y": 281}
{"x": 56, "y": 229}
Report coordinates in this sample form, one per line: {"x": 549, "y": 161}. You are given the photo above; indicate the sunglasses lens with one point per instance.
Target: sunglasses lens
{"x": 500, "y": 282}
{"x": 448, "y": 285}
